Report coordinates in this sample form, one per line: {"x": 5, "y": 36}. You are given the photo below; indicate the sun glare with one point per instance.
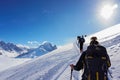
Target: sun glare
{"x": 108, "y": 10}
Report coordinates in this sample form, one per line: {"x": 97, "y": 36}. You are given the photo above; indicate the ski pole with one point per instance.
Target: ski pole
{"x": 71, "y": 74}
{"x": 110, "y": 73}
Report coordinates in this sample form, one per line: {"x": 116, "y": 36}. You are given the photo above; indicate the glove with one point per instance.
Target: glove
{"x": 72, "y": 66}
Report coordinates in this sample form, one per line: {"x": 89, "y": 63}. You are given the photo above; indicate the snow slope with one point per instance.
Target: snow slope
{"x": 7, "y": 62}
{"x": 51, "y": 66}
{"x": 106, "y": 34}
{"x": 55, "y": 65}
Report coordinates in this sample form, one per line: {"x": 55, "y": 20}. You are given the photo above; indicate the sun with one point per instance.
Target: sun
{"x": 107, "y": 11}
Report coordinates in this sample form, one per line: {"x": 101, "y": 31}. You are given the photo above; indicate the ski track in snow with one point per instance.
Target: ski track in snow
{"x": 40, "y": 72}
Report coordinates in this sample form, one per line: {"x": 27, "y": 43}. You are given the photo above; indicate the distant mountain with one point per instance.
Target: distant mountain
{"x": 10, "y": 49}
{"x": 9, "y": 46}
{"x": 45, "y": 47}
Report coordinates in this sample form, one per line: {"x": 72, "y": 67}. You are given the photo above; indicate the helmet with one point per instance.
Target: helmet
{"x": 93, "y": 38}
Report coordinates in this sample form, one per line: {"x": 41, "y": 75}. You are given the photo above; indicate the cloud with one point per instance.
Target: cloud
{"x": 33, "y": 44}
{"x": 23, "y": 46}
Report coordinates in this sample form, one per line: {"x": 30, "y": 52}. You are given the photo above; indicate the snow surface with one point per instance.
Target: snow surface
{"x": 51, "y": 66}
{"x": 106, "y": 34}
{"x": 7, "y": 62}
{"x": 55, "y": 65}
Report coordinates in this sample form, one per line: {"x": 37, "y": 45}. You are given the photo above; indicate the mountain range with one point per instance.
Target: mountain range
{"x": 12, "y": 50}
{"x": 45, "y": 47}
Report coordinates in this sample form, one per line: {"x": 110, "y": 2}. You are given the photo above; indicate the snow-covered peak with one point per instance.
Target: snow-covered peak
{"x": 47, "y": 46}
{"x": 9, "y": 46}
{"x": 10, "y": 49}
{"x": 44, "y": 48}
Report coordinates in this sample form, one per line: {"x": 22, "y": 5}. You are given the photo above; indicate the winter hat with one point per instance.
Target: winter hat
{"x": 94, "y": 41}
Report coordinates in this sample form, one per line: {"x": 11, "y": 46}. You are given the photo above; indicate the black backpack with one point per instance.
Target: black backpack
{"x": 82, "y": 40}
{"x": 96, "y": 63}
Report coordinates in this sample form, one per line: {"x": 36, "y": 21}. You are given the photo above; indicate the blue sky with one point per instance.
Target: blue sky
{"x": 57, "y": 21}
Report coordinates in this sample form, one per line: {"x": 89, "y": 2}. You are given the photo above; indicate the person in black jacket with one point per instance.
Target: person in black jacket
{"x": 81, "y": 41}
{"x": 95, "y": 62}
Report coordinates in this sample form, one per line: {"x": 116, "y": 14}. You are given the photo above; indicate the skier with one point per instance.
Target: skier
{"x": 95, "y": 62}
{"x": 81, "y": 41}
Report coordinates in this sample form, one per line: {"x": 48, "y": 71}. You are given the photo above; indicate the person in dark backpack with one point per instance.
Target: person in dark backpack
{"x": 95, "y": 62}
{"x": 81, "y": 41}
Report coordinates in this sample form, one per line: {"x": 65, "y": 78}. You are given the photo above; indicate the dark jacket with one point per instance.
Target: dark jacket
{"x": 92, "y": 49}
{"x": 81, "y": 40}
